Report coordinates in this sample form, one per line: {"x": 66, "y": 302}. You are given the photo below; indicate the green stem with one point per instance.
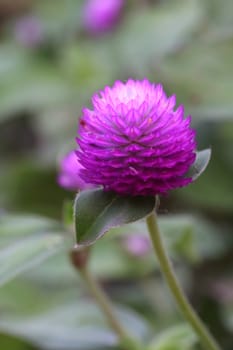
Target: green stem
{"x": 107, "y": 308}
{"x": 206, "y": 338}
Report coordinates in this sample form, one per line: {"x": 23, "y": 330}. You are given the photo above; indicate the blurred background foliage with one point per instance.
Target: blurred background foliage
{"x": 50, "y": 65}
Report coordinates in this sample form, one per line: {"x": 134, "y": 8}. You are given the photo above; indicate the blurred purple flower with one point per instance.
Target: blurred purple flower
{"x": 137, "y": 244}
{"x": 100, "y": 16}
{"x": 29, "y": 31}
{"x": 68, "y": 177}
{"x": 134, "y": 142}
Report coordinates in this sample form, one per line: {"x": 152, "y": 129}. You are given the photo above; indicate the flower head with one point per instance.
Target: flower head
{"x": 137, "y": 244}
{"x": 101, "y": 16}
{"x": 28, "y": 31}
{"x": 134, "y": 142}
{"x": 69, "y": 177}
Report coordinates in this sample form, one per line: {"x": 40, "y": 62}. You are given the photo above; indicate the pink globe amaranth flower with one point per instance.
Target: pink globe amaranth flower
{"x": 69, "y": 177}
{"x": 100, "y": 16}
{"x": 134, "y": 142}
{"x": 29, "y": 31}
{"x": 137, "y": 244}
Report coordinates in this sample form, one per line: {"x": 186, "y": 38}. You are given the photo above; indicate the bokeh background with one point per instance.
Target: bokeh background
{"x": 51, "y": 62}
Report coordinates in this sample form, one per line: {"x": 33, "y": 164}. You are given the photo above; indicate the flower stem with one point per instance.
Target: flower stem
{"x": 107, "y": 308}
{"x": 205, "y": 337}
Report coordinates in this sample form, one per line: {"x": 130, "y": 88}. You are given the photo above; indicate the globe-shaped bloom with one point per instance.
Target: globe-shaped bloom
{"x": 134, "y": 141}
{"x": 100, "y": 16}
{"x": 68, "y": 176}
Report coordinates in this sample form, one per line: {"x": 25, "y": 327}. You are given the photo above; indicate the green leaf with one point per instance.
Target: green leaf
{"x": 32, "y": 85}
{"x": 200, "y": 164}
{"x": 9, "y": 342}
{"x": 96, "y": 212}
{"x": 220, "y": 17}
{"x": 61, "y": 319}
{"x": 213, "y": 192}
{"x": 179, "y": 337}
{"x": 163, "y": 29}
{"x": 189, "y": 74}
{"x": 26, "y": 242}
